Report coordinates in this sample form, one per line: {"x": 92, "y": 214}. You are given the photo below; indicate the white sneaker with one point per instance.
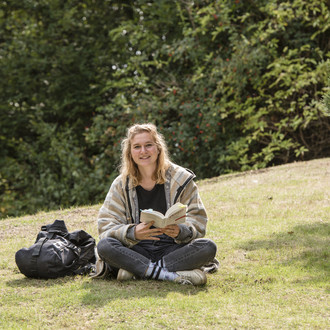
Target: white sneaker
{"x": 124, "y": 275}
{"x": 192, "y": 277}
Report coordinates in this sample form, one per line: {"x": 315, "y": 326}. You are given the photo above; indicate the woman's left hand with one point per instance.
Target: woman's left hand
{"x": 172, "y": 230}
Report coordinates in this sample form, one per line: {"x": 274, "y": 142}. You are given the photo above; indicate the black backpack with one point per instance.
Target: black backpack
{"x": 57, "y": 253}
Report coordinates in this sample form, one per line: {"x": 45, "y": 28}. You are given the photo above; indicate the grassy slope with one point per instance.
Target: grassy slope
{"x": 272, "y": 232}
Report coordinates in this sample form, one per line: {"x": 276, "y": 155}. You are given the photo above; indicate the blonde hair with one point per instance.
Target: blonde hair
{"x": 128, "y": 167}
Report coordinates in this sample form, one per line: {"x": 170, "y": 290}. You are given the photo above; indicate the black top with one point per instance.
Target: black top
{"x": 152, "y": 199}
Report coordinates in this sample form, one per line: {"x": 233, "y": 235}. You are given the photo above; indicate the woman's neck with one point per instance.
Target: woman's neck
{"x": 147, "y": 178}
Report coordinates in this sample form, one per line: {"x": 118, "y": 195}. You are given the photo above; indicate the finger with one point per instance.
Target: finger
{"x": 149, "y": 224}
{"x": 171, "y": 227}
{"x": 156, "y": 231}
{"x": 171, "y": 232}
{"x": 153, "y": 238}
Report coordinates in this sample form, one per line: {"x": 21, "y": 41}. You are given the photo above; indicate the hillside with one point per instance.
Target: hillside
{"x": 272, "y": 231}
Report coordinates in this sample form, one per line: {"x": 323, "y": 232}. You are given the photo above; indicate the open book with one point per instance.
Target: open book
{"x": 174, "y": 215}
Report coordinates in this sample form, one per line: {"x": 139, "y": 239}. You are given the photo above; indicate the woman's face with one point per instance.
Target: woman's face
{"x": 144, "y": 150}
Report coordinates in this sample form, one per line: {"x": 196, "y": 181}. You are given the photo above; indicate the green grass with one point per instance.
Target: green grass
{"x": 272, "y": 231}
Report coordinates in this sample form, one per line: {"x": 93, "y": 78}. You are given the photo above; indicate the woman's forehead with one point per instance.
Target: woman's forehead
{"x": 142, "y": 137}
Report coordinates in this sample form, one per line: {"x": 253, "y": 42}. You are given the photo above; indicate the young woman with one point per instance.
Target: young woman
{"x": 149, "y": 180}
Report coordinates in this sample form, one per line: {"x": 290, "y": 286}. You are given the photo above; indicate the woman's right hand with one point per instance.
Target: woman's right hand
{"x": 143, "y": 231}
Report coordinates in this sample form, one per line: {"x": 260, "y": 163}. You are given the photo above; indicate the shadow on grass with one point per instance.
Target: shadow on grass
{"x": 38, "y": 283}
{"x": 99, "y": 292}
{"x": 305, "y": 246}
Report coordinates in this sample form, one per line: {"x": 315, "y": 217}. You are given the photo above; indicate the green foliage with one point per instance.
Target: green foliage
{"x": 327, "y": 97}
{"x": 232, "y": 85}
{"x": 53, "y": 60}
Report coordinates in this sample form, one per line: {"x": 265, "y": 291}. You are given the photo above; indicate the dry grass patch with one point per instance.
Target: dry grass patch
{"x": 272, "y": 231}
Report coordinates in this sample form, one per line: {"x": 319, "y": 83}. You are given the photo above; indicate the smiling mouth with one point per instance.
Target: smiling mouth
{"x": 143, "y": 158}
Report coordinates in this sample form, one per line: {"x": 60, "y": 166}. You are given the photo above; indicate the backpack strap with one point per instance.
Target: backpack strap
{"x": 35, "y": 255}
{"x": 85, "y": 270}
{"x": 39, "y": 245}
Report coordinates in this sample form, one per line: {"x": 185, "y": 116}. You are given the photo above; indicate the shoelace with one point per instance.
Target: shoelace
{"x": 184, "y": 280}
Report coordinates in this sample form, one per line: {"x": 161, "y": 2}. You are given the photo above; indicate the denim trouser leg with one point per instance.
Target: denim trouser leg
{"x": 190, "y": 256}
{"x": 176, "y": 257}
{"x": 115, "y": 254}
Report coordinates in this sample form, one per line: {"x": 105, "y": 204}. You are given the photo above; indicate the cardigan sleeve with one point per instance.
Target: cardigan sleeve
{"x": 196, "y": 221}
{"x": 113, "y": 217}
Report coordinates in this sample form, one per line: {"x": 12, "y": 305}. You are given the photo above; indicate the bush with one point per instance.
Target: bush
{"x": 232, "y": 85}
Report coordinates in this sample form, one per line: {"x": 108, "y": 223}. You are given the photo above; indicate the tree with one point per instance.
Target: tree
{"x": 233, "y": 85}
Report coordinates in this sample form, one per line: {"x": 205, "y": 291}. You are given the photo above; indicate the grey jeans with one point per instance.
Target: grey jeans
{"x": 175, "y": 257}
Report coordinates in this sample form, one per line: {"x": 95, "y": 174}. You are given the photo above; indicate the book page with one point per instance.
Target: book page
{"x": 176, "y": 218}
{"x": 174, "y": 215}
{"x": 148, "y": 216}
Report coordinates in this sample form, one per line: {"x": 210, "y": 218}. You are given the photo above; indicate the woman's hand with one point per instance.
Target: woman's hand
{"x": 172, "y": 230}
{"x": 143, "y": 231}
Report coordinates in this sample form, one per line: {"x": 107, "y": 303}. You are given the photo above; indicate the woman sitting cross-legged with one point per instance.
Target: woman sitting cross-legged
{"x": 149, "y": 180}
